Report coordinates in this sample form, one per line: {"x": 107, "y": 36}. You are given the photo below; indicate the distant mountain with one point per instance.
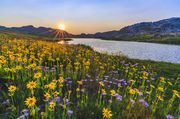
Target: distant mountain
{"x": 162, "y": 27}
{"x": 40, "y": 31}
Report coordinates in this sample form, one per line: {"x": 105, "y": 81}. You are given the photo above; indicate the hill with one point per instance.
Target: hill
{"x": 163, "y": 27}
{"x": 40, "y": 31}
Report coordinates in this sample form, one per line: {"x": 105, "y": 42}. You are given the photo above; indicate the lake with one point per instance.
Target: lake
{"x": 134, "y": 50}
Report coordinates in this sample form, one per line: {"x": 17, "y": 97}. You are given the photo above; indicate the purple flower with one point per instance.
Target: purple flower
{"x": 6, "y": 102}
{"x": 103, "y": 94}
{"x": 69, "y": 112}
{"x": 67, "y": 79}
{"x": 147, "y": 81}
{"x": 88, "y": 76}
{"x": 51, "y": 100}
{"x": 61, "y": 105}
{"x": 126, "y": 64}
{"x": 106, "y": 77}
{"x": 140, "y": 94}
{"x": 169, "y": 116}
{"x": 91, "y": 80}
{"x": 58, "y": 99}
{"x": 122, "y": 82}
{"x": 153, "y": 79}
{"x": 69, "y": 82}
{"x": 25, "y": 112}
{"x": 143, "y": 102}
{"x": 118, "y": 97}
{"x": 85, "y": 80}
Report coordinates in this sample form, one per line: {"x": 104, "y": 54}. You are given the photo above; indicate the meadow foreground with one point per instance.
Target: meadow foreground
{"x": 45, "y": 80}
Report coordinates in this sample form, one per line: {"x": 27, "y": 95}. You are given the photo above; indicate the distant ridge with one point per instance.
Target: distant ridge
{"x": 41, "y": 31}
{"x": 162, "y": 27}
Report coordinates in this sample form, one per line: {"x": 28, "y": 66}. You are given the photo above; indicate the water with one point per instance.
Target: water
{"x": 135, "y": 50}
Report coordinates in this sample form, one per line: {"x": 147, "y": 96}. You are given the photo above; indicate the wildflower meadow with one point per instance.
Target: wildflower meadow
{"x": 46, "y": 80}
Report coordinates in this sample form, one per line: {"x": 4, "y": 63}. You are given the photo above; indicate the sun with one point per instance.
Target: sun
{"x": 61, "y": 26}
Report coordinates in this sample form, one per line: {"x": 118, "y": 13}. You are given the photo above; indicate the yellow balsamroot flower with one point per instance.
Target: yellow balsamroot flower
{"x": 52, "y": 85}
{"x": 31, "y": 85}
{"x": 61, "y": 80}
{"x": 43, "y": 114}
{"x": 52, "y": 105}
{"x": 56, "y": 94}
{"x": 176, "y": 93}
{"x": 37, "y": 75}
{"x": 101, "y": 83}
{"x": 18, "y": 67}
{"x": 161, "y": 89}
{"x": 87, "y": 63}
{"x": 30, "y": 101}
{"x": 47, "y": 95}
{"x": 113, "y": 92}
{"x": 11, "y": 57}
{"x": 160, "y": 98}
{"x": 103, "y": 91}
{"x": 162, "y": 79}
{"x": 132, "y": 91}
{"x": 80, "y": 82}
{"x": 12, "y": 88}
{"x": 132, "y": 81}
{"x": 145, "y": 75}
{"x": 76, "y": 63}
{"x": 107, "y": 113}
{"x": 19, "y": 59}
{"x": 77, "y": 89}
{"x": 46, "y": 86}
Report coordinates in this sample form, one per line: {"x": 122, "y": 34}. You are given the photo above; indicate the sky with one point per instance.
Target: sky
{"x": 85, "y": 16}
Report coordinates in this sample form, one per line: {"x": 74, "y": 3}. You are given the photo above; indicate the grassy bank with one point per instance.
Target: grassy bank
{"x": 150, "y": 38}
{"x": 170, "y": 70}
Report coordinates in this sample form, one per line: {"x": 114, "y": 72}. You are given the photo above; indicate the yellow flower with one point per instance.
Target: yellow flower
{"x": 56, "y": 93}
{"x": 176, "y": 93}
{"x": 161, "y": 89}
{"x": 87, "y": 63}
{"x": 43, "y": 114}
{"x": 31, "y": 85}
{"x": 107, "y": 113}
{"x": 160, "y": 98}
{"x": 80, "y": 82}
{"x": 162, "y": 79}
{"x": 132, "y": 81}
{"x": 61, "y": 80}
{"x": 47, "y": 95}
{"x": 77, "y": 89}
{"x": 101, "y": 83}
{"x": 37, "y": 75}
{"x": 52, "y": 85}
{"x": 30, "y": 101}
{"x": 103, "y": 91}
{"x": 113, "y": 92}
{"x": 132, "y": 91}
{"x": 12, "y": 88}
{"x": 145, "y": 75}
{"x": 52, "y": 105}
